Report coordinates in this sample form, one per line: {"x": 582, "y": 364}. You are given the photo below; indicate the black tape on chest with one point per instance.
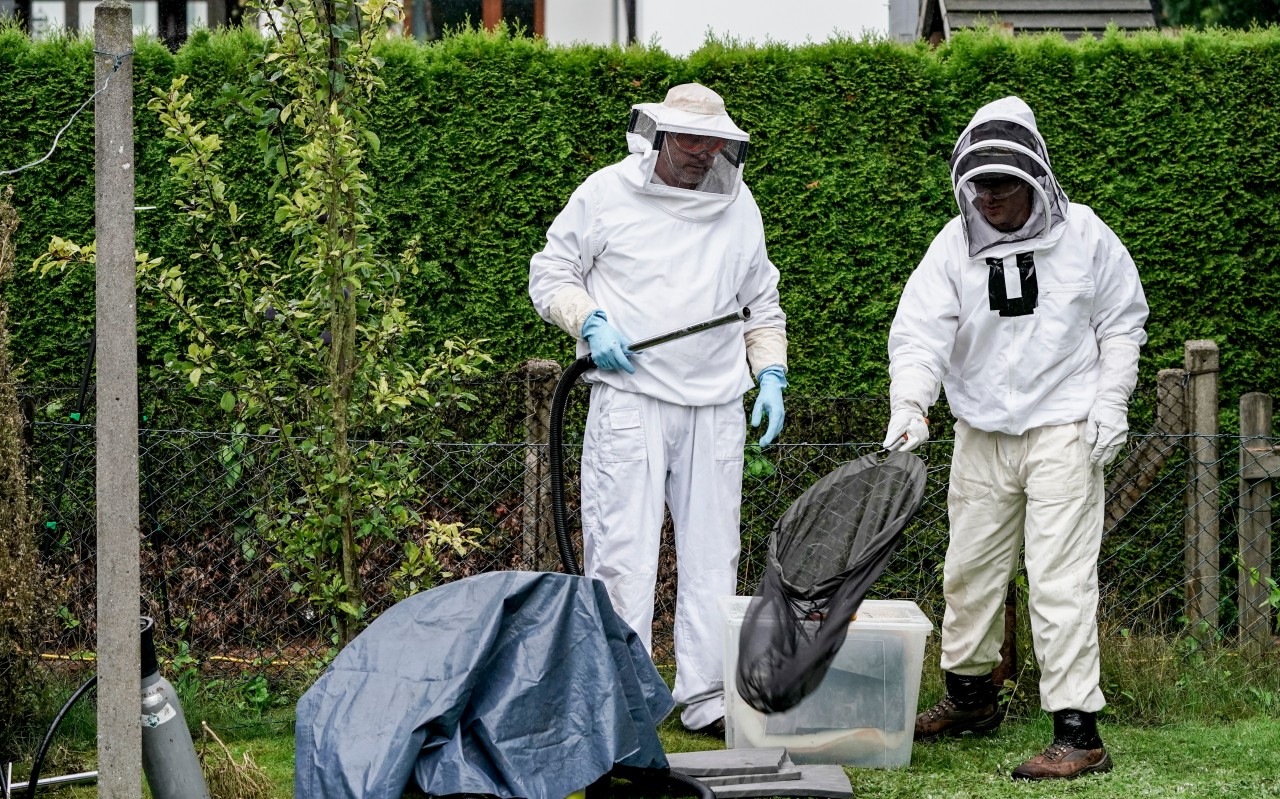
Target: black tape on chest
{"x": 998, "y": 297}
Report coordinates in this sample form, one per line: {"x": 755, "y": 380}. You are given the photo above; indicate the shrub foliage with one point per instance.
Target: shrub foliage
{"x": 25, "y": 590}
{"x": 1173, "y": 139}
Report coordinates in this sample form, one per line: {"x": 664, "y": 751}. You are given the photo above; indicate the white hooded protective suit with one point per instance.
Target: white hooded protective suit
{"x": 1010, "y": 373}
{"x": 1032, "y": 332}
{"x": 655, "y": 258}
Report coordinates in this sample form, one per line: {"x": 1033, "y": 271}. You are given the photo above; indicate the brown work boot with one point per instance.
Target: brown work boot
{"x": 970, "y": 705}
{"x": 1064, "y": 762}
{"x": 1076, "y": 750}
{"x": 715, "y": 729}
{"x": 947, "y": 718}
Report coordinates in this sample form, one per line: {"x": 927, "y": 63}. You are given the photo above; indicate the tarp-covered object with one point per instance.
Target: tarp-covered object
{"x": 824, "y": 553}
{"x": 514, "y": 684}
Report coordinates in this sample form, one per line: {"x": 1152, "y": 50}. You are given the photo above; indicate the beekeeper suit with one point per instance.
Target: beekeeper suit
{"x": 666, "y": 238}
{"x": 1028, "y": 309}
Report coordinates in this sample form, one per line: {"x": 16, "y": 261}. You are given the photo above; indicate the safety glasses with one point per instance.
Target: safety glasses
{"x": 996, "y": 189}
{"x": 698, "y": 145}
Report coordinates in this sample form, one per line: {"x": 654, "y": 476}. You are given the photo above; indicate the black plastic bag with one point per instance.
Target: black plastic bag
{"x": 824, "y": 554}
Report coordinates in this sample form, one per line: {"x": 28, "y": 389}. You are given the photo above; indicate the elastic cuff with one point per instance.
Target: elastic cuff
{"x": 775, "y": 373}
{"x": 570, "y": 308}
{"x": 766, "y": 346}
{"x": 594, "y": 318}
{"x": 913, "y": 388}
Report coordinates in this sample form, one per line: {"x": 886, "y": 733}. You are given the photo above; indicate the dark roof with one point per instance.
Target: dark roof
{"x": 1071, "y": 17}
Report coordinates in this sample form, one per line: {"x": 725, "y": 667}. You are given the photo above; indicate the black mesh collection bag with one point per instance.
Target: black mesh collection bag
{"x": 824, "y": 553}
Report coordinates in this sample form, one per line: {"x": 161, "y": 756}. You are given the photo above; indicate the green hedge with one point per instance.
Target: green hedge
{"x": 1174, "y": 140}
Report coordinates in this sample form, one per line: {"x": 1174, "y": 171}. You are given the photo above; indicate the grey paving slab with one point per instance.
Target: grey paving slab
{"x": 725, "y": 762}
{"x": 824, "y": 782}
{"x": 780, "y": 776}
{"x": 786, "y": 772}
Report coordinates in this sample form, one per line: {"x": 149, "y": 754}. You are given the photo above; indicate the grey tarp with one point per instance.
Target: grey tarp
{"x": 515, "y": 684}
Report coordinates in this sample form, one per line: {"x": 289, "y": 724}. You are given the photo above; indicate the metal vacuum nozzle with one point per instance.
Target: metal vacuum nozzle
{"x": 736, "y": 316}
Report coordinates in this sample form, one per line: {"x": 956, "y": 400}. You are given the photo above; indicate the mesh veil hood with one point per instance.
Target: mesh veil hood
{"x": 1002, "y": 140}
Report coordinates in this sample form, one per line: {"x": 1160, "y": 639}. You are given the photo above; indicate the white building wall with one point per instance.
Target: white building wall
{"x": 681, "y": 26}
{"x": 591, "y": 21}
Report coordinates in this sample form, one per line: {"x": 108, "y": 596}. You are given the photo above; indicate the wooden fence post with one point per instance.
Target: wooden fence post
{"x": 1201, "y": 521}
{"x": 1258, "y": 464}
{"x": 539, "y": 531}
{"x": 1134, "y": 476}
{"x": 1171, "y": 398}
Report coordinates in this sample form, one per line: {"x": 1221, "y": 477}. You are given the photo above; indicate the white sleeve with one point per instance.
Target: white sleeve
{"x": 1120, "y": 306}
{"x": 759, "y": 292}
{"x": 557, "y": 275}
{"x": 923, "y": 332}
{"x": 1119, "y": 319}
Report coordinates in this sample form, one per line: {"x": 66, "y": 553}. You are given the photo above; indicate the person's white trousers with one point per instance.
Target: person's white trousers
{"x": 1039, "y": 489}
{"x": 639, "y": 453}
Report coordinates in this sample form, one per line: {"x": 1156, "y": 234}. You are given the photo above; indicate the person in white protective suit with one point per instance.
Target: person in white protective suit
{"x": 666, "y": 238}
{"x": 1029, "y": 310}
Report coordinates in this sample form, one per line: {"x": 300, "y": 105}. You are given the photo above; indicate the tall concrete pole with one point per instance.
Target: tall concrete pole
{"x": 119, "y": 586}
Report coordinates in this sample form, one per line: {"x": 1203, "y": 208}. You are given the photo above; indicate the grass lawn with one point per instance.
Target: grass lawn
{"x": 1183, "y": 722}
{"x": 1239, "y": 759}
{"x": 1232, "y": 760}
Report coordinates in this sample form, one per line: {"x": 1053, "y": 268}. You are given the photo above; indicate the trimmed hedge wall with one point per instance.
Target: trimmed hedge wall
{"x": 1174, "y": 140}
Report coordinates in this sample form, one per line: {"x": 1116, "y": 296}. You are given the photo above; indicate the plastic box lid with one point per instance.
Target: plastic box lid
{"x": 873, "y": 614}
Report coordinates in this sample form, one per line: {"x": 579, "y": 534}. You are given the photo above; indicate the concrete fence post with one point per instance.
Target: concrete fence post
{"x": 1201, "y": 520}
{"x": 119, "y": 586}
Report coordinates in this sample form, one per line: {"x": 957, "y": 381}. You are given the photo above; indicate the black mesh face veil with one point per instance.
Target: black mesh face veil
{"x": 824, "y": 554}
{"x": 996, "y": 150}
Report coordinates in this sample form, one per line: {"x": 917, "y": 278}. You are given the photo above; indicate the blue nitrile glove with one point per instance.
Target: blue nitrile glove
{"x": 608, "y": 347}
{"x": 769, "y": 402}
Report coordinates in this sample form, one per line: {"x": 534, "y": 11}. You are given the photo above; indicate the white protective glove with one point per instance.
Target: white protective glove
{"x": 908, "y": 429}
{"x": 911, "y": 392}
{"x": 1107, "y": 427}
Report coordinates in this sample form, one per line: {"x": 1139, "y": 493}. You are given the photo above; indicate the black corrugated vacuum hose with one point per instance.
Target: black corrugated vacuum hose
{"x": 682, "y": 784}
{"x": 555, "y": 435}
{"x": 650, "y": 781}
{"x": 568, "y": 558}
{"x": 34, "y": 780}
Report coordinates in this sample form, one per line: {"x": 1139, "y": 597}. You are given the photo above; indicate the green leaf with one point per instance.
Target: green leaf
{"x": 228, "y": 402}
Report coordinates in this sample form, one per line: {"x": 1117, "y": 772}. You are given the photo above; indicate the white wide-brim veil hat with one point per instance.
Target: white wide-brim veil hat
{"x": 689, "y": 108}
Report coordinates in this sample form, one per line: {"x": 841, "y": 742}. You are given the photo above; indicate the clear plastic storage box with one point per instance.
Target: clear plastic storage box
{"x": 863, "y": 713}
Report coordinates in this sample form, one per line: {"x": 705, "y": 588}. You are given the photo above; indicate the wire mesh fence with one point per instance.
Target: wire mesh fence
{"x": 217, "y": 585}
